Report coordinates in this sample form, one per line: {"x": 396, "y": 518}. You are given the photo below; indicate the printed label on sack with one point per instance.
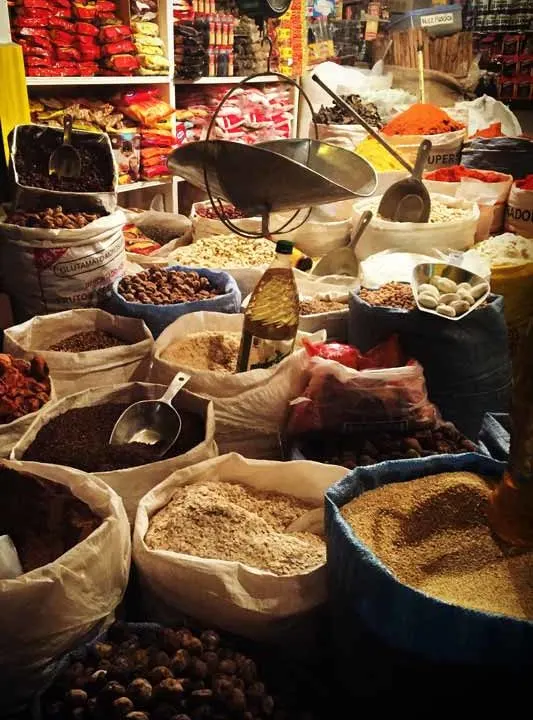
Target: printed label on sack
{"x": 444, "y": 159}
{"x": 519, "y": 213}
{"x": 259, "y": 353}
{"x": 440, "y": 19}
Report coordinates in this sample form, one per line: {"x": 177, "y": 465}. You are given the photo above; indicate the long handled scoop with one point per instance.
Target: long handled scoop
{"x": 65, "y": 161}
{"x": 408, "y": 200}
{"x": 153, "y": 422}
{"x": 342, "y": 261}
{"x": 370, "y": 130}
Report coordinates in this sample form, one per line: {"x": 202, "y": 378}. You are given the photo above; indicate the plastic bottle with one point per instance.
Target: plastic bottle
{"x": 271, "y": 318}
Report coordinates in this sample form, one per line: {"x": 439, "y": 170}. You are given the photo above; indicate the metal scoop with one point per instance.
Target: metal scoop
{"x": 65, "y": 161}
{"x": 408, "y": 200}
{"x": 151, "y": 421}
{"x": 342, "y": 261}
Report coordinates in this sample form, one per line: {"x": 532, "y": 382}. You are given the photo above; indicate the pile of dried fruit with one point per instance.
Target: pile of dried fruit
{"x": 24, "y": 386}
{"x": 52, "y": 219}
{"x": 159, "y": 674}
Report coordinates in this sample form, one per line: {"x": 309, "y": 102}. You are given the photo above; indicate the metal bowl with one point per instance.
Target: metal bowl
{"x": 424, "y": 272}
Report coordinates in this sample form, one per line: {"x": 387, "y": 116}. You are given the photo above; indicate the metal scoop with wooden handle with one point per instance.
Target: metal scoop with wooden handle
{"x": 408, "y": 200}
{"x": 153, "y": 422}
{"x": 342, "y": 261}
{"x": 65, "y": 161}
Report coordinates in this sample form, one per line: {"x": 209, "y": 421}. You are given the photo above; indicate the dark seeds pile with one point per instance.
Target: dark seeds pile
{"x": 43, "y": 518}
{"x": 91, "y": 340}
{"x": 32, "y": 160}
{"x": 337, "y": 115}
{"x": 79, "y": 438}
{"x": 159, "y": 674}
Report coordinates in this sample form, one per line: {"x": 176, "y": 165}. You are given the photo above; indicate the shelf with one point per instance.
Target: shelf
{"x": 227, "y": 80}
{"x": 145, "y": 184}
{"x": 100, "y": 80}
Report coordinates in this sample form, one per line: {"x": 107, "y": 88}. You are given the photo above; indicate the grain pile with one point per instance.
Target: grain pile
{"x": 223, "y": 251}
{"x": 206, "y": 350}
{"x": 441, "y": 212}
{"x": 434, "y": 536}
{"x": 226, "y": 521}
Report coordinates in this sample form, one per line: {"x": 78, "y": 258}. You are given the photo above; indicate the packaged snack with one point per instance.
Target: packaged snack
{"x": 67, "y": 69}
{"x": 145, "y": 28}
{"x": 114, "y": 33}
{"x": 132, "y": 97}
{"x": 105, "y": 6}
{"x": 84, "y": 12}
{"x": 21, "y": 21}
{"x": 67, "y": 53}
{"x": 123, "y": 64}
{"x": 119, "y": 48}
{"x": 37, "y": 61}
{"x": 156, "y": 171}
{"x": 90, "y": 52}
{"x": 29, "y": 49}
{"x": 61, "y": 24}
{"x": 84, "y": 28}
{"x": 148, "y": 112}
{"x": 60, "y": 37}
{"x": 36, "y": 4}
{"x": 148, "y": 40}
{"x": 32, "y": 13}
{"x": 28, "y": 32}
{"x": 65, "y": 4}
{"x": 87, "y": 69}
{"x": 86, "y": 41}
{"x": 154, "y": 62}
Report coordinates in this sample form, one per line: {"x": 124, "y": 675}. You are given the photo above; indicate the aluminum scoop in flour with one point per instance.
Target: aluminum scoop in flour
{"x": 153, "y": 422}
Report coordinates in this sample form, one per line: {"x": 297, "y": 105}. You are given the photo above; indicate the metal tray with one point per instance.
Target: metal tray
{"x": 274, "y": 176}
{"x": 425, "y": 271}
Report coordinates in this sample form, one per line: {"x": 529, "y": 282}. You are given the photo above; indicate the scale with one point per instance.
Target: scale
{"x": 280, "y": 175}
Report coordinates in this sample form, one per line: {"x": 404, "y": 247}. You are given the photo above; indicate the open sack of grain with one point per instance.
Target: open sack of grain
{"x": 249, "y": 406}
{"x": 212, "y": 542}
{"x": 73, "y": 540}
{"x": 414, "y": 536}
{"x": 84, "y": 348}
{"x": 75, "y": 432}
{"x": 452, "y": 226}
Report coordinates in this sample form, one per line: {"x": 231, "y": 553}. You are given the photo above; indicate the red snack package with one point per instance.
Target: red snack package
{"x": 114, "y": 33}
{"x": 87, "y": 69}
{"x": 66, "y": 69}
{"x": 29, "y": 49}
{"x": 61, "y": 24}
{"x": 84, "y": 28}
{"x": 119, "y": 48}
{"x": 60, "y": 37}
{"x": 387, "y": 354}
{"x": 32, "y": 13}
{"x": 62, "y": 3}
{"x": 34, "y": 33}
{"x": 66, "y": 54}
{"x": 135, "y": 96}
{"x": 84, "y": 12}
{"x": 42, "y": 72}
{"x": 89, "y": 52}
{"x": 21, "y": 21}
{"x": 36, "y": 61}
{"x": 344, "y": 354}
{"x": 86, "y": 41}
{"x": 156, "y": 171}
{"x": 123, "y": 64}
{"x": 34, "y": 4}
{"x": 105, "y": 6}
{"x": 106, "y": 16}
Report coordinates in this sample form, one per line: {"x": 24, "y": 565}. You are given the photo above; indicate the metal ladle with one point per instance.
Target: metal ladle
{"x": 65, "y": 161}
{"x": 153, "y": 422}
{"x": 342, "y": 261}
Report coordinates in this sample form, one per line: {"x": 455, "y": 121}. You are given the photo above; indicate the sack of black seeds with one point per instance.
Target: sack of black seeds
{"x": 46, "y": 271}
{"x": 75, "y": 431}
{"x": 56, "y": 604}
{"x": 84, "y": 348}
{"x": 215, "y": 542}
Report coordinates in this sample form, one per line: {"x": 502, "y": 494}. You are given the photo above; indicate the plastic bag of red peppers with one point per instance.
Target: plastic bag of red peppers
{"x": 64, "y": 38}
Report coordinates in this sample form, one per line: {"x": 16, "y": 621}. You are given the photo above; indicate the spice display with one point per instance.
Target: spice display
{"x": 422, "y": 119}
{"x": 441, "y": 211}
{"x": 90, "y": 340}
{"x": 52, "y": 219}
{"x": 393, "y": 294}
{"x": 159, "y": 674}
{"x": 433, "y": 534}
{"x": 79, "y": 438}
{"x": 446, "y": 297}
{"x": 222, "y": 251}
{"x": 43, "y": 519}
{"x": 382, "y": 161}
{"x": 165, "y": 287}
{"x": 456, "y": 173}
{"x": 226, "y": 521}
{"x": 368, "y": 449}
{"x": 33, "y": 154}
{"x": 24, "y": 386}
{"x": 318, "y": 305}
{"x": 526, "y": 183}
{"x": 507, "y": 249}
{"x": 337, "y": 115}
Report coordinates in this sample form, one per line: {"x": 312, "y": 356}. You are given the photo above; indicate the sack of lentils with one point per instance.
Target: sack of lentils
{"x": 161, "y": 295}
{"x": 452, "y": 226}
{"x": 420, "y": 590}
{"x": 73, "y": 541}
{"x": 250, "y": 406}
{"x": 75, "y": 432}
{"x": 84, "y": 348}
{"x": 466, "y": 364}
{"x": 49, "y": 263}
{"x": 214, "y": 542}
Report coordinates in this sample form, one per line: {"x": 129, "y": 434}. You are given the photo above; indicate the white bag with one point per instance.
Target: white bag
{"x": 205, "y": 227}
{"x": 250, "y": 407}
{"x": 344, "y": 136}
{"x": 327, "y": 228}
{"x": 50, "y": 610}
{"x": 445, "y": 148}
{"x": 45, "y": 271}
{"x": 417, "y": 237}
{"x": 132, "y": 483}
{"x": 519, "y": 212}
{"x": 242, "y": 599}
{"x": 73, "y": 372}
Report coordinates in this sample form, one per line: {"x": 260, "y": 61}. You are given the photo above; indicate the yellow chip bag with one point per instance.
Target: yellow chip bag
{"x": 146, "y": 28}
{"x": 148, "y": 40}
